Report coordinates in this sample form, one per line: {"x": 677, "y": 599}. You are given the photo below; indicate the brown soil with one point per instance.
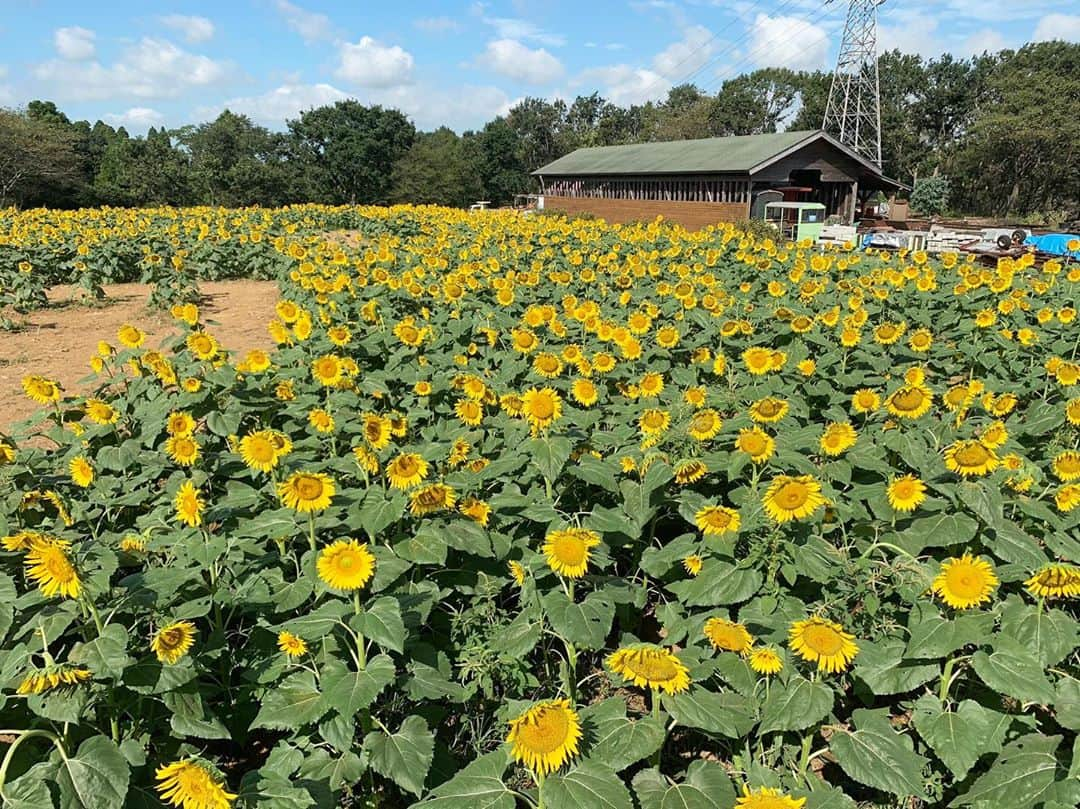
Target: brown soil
{"x": 57, "y": 342}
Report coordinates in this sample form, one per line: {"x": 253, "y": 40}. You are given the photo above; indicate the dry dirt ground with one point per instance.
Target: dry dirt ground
{"x": 57, "y": 342}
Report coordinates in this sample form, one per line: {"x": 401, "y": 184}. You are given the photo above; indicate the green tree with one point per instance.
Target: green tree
{"x": 436, "y": 171}
{"x": 143, "y": 171}
{"x": 497, "y": 153}
{"x": 348, "y": 150}
{"x": 39, "y": 162}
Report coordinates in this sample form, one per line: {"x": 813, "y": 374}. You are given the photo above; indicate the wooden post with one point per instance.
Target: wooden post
{"x": 854, "y": 201}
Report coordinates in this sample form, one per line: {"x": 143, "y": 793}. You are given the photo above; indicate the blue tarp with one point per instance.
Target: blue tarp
{"x": 1054, "y": 243}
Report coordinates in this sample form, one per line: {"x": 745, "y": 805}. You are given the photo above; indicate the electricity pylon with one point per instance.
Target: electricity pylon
{"x": 854, "y": 110}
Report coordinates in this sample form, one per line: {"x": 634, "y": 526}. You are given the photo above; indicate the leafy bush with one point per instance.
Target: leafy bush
{"x": 931, "y": 195}
{"x": 526, "y": 511}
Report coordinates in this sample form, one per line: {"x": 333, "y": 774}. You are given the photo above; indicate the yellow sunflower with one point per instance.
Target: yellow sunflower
{"x": 406, "y": 470}
{"x": 179, "y": 422}
{"x": 101, "y": 412}
{"x": 306, "y": 491}
{"x": 541, "y": 407}
{"x": 130, "y": 336}
{"x": 970, "y": 458}
{"x": 48, "y": 564}
{"x": 965, "y": 582}
{"x": 728, "y": 636}
{"x": 258, "y": 451}
{"x": 824, "y": 642}
{"x": 645, "y": 664}
{"x": 81, "y": 470}
{"x": 429, "y": 499}
{"x": 1067, "y": 465}
{"x": 346, "y": 565}
{"x": 202, "y": 345}
{"x": 705, "y": 424}
{"x": 909, "y": 401}
{"x": 469, "y": 411}
{"x": 906, "y": 493}
{"x": 183, "y": 449}
{"x": 692, "y": 564}
{"x": 792, "y": 498}
{"x": 767, "y": 798}
{"x": 766, "y": 660}
{"x": 1067, "y": 497}
{"x": 191, "y": 784}
{"x": 568, "y": 551}
{"x": 52, "y": 678}
{"x": 584, "y": 392}
{"x": 189, "y": 505}
{"x": 768, "y": 410}
{"x": 838, "y": 438}
{"x": 546, "y": 736}
{"x": 41, "y": 390}
{"x": 291, "y": 645}
{"x": 1058, "y": 580}
{"x": 865, "y": 400}
{"x": 173, "y": 641}
{"x": 717, "y": 520}
{"x": 756, "y": 443}
{"x": 654, "y": 422}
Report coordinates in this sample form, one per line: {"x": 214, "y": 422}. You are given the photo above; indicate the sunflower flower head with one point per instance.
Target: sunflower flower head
{"x": 192, "y": 784}
{"x": 545, "y": 736}
{"x": 648, "y": 665}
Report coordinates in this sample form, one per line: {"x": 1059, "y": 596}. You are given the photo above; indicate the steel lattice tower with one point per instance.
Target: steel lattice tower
{"x": 854, "y": 109}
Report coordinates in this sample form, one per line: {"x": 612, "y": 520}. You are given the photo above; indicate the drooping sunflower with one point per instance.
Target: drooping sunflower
{"x": 517, "y": 571}
{"x": 429, "y": 499}
{"x": 545, "y": 736}
{"x": 306, "y": 491}
{"x": 767, "y": 798}
{"x": 838, "y": 438}
{"x": 54, "y": 677}
{"x": 824, "y": 642}
{"x": 766, "y": 660}
{"x": 1057, "y": 580}
{"x": 970, "y": 458}
{"x": 648, "y": 665}
{"x": 406, "y": 470}
{"x": 192, "y": 784}
{"x": 568, "y": 551}
{"x": 476, "y": 510}
{"x": 183, "y": 449}
{"x": 541, "y": 407}
{"x": 728, "y": 636}
{"x": 909, "y": 401}
{"x": 47, "y": 563}
{"x": 346, "y": 565}
{"x": 768, "y": 410}
{"x": 172, "y": 641}
{"x": 906, "y": 493}
{"x": 717, "y": 520}
{"x": 81, "y": 471}
{"x": 690, "y": 471}
{"x": 965, "y": 582}
{"x": 792, "y": 498}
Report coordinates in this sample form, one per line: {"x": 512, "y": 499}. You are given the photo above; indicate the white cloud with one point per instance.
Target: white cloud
{"x": 192, "y": 29}
{"x": 369, "y": 63}
{"x": 139, "y": 118}
{"x": 512, "y": 59}
{"x": 467, "y": 107}
{"x": 74, "y": 44}
{"x": 791, "y": 42}
{"x": 687, "y": 55}
{"x": 523, "y": 30}
{"x": 151, "y": 68}
{"x": 979, "y": 42}
{"x": 1057, "y": 26}
{"x": 438, "y": 25}
{"x": 275, "y": 106}
{"x": 311, "y": 26}
{"x": 623, "y": 84}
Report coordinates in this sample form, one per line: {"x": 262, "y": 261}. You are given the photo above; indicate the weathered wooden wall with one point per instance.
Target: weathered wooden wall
{"x": 691, "y": 215}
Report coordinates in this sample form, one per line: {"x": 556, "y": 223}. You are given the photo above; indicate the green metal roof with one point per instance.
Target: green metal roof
{"x": 738, "y": 153}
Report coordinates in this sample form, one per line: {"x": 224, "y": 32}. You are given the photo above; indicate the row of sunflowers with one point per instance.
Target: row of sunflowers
{"x": 549, "y": 513}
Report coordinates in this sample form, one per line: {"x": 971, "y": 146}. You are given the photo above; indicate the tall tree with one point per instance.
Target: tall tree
{"x": 436, "y": 171}
{"x": 38, "y": 160}
{"x": 349, "y": 150}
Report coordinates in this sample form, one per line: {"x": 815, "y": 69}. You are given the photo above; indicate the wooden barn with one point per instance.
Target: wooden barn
{"x": 703, "y": 182}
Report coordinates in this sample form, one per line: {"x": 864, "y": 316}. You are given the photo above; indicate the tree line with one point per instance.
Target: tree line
{"x": 1002, "y": 126}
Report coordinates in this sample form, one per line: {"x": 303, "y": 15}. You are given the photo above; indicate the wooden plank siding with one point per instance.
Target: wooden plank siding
{"x": 834, "y": 165}
{"x": 691, "y": 215}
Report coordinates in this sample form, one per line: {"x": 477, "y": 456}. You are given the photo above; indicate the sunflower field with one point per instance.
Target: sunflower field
{"x": 531, "y": 512}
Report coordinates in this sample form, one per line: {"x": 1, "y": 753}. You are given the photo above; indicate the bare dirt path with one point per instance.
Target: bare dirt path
{"x": 58, "y": 342}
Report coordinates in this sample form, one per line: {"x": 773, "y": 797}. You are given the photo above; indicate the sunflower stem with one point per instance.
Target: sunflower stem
{"x": 656, "y": 717}
{"x": 804, "y": 758}
{"x": 361, "y": 647}
{"x": 539, "y": 791}
{"x": 311, "y": 530}
{"x": 946, "y": 679}
{"x": 23, "y": 736}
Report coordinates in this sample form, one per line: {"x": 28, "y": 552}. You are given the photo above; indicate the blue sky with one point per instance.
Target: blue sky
{"x": 459, "y": 63}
